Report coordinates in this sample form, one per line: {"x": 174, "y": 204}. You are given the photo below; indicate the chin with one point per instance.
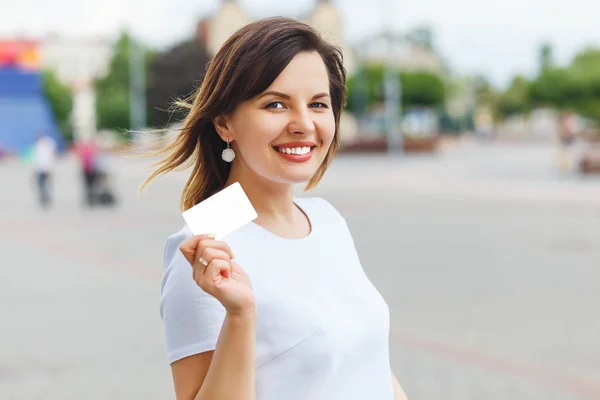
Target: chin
{"x": 296, "y": 177}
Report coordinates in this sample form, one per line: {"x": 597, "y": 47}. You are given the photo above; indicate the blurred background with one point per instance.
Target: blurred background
{"x": 469, "y": 174}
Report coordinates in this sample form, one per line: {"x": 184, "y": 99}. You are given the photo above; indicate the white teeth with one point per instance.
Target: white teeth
{"x": 294, "y": 150}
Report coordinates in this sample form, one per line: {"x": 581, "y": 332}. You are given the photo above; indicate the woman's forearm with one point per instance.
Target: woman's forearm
{"x": 231, "y": 372}
{"x": 398, "y": 392}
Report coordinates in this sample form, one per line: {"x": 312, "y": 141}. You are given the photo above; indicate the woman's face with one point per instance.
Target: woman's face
{"x": 283, "y": 135}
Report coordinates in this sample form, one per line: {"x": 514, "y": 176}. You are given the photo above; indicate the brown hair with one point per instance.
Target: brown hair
{"x": 244, "y": 67}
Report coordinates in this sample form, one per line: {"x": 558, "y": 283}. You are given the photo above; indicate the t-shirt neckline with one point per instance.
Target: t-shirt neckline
{"x": 311, "y": 222}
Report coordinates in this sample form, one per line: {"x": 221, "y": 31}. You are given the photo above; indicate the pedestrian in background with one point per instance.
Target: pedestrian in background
{"x": 44, "y": 158}
{"x": 87, "y": 152}
{"x": 567, "y": 134}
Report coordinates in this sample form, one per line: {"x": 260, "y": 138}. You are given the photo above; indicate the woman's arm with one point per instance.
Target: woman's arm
{"x": 225, "y": 374}
{"x": 398, "y": 392}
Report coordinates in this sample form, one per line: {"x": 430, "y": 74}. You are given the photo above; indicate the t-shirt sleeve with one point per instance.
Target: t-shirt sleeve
{"x": 192, "y": 318}
{"x": 333, "y": 215}
{"x": 337, "y": 222}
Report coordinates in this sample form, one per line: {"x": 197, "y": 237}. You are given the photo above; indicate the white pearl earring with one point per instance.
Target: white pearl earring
{"x": 228, "y": 154}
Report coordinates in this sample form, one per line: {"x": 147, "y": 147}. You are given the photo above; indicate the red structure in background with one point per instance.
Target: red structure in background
{"x": 19, "y": 54}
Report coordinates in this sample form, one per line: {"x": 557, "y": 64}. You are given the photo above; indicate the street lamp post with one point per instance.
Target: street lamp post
{"x": 137, "y": 85}
{"x": 393, "y": 110}
{"x": 392, "y": 86}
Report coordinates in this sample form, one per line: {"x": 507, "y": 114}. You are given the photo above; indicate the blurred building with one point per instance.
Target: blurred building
{"x": 78, "y": 62}
{"x": 410, "y": 51}
{"x": 327, "y": 19}
{"x": 216, "y": 29}
{"x": 231, "y": 16}
{"x": 407, "y": 52}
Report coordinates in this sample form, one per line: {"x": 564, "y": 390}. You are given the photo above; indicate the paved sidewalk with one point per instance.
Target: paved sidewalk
{"x": 491, "y": 284}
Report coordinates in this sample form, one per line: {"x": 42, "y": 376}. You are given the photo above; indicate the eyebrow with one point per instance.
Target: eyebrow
{"x": 287, "y": 96}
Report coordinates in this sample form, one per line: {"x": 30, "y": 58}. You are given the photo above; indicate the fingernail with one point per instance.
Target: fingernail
{"x": 212, "y": 235}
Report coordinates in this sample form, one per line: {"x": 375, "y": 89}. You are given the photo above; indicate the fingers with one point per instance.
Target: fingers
{"x": 208, "y": 243}
{"x": 190, "y": 247}
{"x": 218, "y": 268}
{"x": 210, "y": 253}
{"x": 201, "y": 251}
{"x": 213, "y": 275}
{"x": 206, "y": 256}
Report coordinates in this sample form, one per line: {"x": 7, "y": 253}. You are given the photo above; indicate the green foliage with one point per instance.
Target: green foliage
{"x": 575, "y": 87}
{"x": 61, "y": 102}
{"x": 422, "y": 89}
{"x": 515, "y": 99}
{"x": 112, "y": 90}
{"x": 366, "y": 88}
{"x": 113, "y": 109}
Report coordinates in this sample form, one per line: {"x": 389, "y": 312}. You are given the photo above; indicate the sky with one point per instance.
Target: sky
{"x": 495, "y": 38}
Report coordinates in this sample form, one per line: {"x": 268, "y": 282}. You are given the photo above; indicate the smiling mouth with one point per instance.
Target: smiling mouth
{"x": 301, "y": 150}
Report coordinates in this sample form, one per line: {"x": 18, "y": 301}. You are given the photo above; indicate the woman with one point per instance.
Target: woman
{"x": 291, "y": 315}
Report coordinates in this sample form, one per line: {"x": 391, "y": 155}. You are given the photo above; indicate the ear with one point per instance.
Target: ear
{"x": 223, "y": 127}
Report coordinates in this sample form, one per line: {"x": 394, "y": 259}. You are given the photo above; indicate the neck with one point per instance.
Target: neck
{"x": 271, "y": 200}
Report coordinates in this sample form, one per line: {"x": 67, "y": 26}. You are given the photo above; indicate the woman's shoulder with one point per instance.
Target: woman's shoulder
{"x": 318, "y": 206}
{"x": 316, "y": 203}
{"x": 173, "y": 242}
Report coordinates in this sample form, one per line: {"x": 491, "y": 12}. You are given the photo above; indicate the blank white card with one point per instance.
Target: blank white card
{"x": 222, "y": 213}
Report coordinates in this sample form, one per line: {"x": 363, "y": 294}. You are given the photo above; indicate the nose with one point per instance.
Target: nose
{"x": 302, "y": 122}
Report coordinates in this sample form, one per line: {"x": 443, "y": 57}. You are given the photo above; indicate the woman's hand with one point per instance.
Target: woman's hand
{"x": 215, "y": 271}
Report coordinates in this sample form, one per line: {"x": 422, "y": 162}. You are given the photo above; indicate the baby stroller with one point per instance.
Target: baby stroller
{"x": 103, "y": 193}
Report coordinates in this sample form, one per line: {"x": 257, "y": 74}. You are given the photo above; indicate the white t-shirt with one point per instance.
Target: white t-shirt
{"x": 322, "y": 329}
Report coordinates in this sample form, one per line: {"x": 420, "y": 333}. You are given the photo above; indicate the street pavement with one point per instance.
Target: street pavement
{"x": 486, "y": 254}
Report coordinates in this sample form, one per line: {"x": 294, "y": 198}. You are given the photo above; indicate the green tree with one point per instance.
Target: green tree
{"x": 366, "y": 88}
{"x": 574, "y": 87}
{"x": 585, "y": 71}
{"x": 61, "y": 101}
{"x": 112, "y": 90}
{"x": 516, "y": 98}
{"x": 422, "y": 89}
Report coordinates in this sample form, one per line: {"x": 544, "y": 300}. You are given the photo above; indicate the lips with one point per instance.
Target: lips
{"x": 296, "y": 151}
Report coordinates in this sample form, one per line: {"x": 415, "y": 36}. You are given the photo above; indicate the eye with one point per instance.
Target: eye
{"x": 276, "y": 105}
{"x": 319, "y": 105}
